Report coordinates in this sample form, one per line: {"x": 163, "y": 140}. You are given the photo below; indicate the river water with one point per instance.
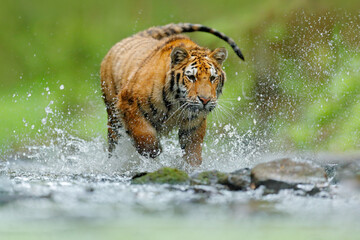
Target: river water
{"x": 70, "y": 189}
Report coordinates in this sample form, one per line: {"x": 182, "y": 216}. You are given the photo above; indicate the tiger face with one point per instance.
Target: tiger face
{"x": 197, "y": 78}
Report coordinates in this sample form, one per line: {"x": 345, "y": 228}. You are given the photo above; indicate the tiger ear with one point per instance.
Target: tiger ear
{"x": 178, "y": 55}
{"x": 219, "y": 54}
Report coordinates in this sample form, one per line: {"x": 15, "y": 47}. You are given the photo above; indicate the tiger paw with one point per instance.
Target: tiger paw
{"x": 149, "y": 150}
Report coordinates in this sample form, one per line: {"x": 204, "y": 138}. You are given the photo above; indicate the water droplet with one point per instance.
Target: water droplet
{"x": 239, "y": 98}
{"x": 48, "y": 110}
{"x": 61, "y": 86}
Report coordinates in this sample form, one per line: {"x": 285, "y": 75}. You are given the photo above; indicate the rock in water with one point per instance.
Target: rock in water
{"x": 238, "y": 180}
{"x": 162, "y": 176}
{"x": 209, "y": 178}
{"x": 288, "y": 174}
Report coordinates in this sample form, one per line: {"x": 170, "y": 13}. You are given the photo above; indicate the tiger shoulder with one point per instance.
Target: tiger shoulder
{"x": 158, "y": 80}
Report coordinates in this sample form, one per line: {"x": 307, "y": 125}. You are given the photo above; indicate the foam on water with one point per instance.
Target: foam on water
{"x": 69, "y": 154}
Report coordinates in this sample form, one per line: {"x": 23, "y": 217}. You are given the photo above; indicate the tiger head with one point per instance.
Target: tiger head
{"x": 197, "y": 77}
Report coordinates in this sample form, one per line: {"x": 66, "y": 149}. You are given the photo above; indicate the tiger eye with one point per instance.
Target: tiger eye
{"x": 159, "y": 64}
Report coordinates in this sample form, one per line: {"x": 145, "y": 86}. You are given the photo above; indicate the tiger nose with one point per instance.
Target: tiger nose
{"x": 204, "y": 100}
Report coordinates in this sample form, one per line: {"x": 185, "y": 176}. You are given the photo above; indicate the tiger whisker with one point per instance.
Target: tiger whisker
{"x": 228, "y": 114}
{"x": 182, "y": 106}
{"x": 180, "y": 115}
{"x": 219, "y": 117}
{"x": 228, "y": 108}
{"x": 226, "y": 111}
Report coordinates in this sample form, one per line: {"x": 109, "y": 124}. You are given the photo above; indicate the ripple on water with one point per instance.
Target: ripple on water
{"x": 75, "y": 179}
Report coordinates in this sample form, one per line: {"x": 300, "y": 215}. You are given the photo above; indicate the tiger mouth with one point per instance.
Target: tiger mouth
{"x": 198, "y": 107}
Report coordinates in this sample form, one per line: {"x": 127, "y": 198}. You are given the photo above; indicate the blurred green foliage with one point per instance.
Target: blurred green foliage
{"x": 299, "y": 86}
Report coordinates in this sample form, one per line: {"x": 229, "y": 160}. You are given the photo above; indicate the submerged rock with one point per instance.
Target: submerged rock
{"x": 209, "y": 178}
{"x": 304, "y": 177}
{"x": 288, "y": 174}
{"x": 162, "y": 176}
{"x": 237, "y": 180}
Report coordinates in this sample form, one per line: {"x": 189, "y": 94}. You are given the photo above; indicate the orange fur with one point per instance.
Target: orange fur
{"x": 157, "y": 80}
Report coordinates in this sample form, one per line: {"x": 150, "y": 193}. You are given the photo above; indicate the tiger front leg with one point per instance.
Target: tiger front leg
{"x": 113, "y": 135}
{"x": 191, "y": 140}
{"x": 143, "y": 134}
{"x": 113, "y": 126}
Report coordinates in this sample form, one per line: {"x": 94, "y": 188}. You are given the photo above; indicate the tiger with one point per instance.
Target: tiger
{"x": 158, "y": 80}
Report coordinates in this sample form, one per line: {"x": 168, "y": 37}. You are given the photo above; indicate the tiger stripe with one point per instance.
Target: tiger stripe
{"x": 158, "y": 80}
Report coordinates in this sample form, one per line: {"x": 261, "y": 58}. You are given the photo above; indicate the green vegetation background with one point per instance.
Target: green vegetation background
{"x": 299, "y": 87}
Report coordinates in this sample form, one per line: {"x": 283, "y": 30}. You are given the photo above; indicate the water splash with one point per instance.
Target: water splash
{"x": 68, "y": 154}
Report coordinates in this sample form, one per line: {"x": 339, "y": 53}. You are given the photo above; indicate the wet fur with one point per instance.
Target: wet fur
{"x": 158, "y": 80}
